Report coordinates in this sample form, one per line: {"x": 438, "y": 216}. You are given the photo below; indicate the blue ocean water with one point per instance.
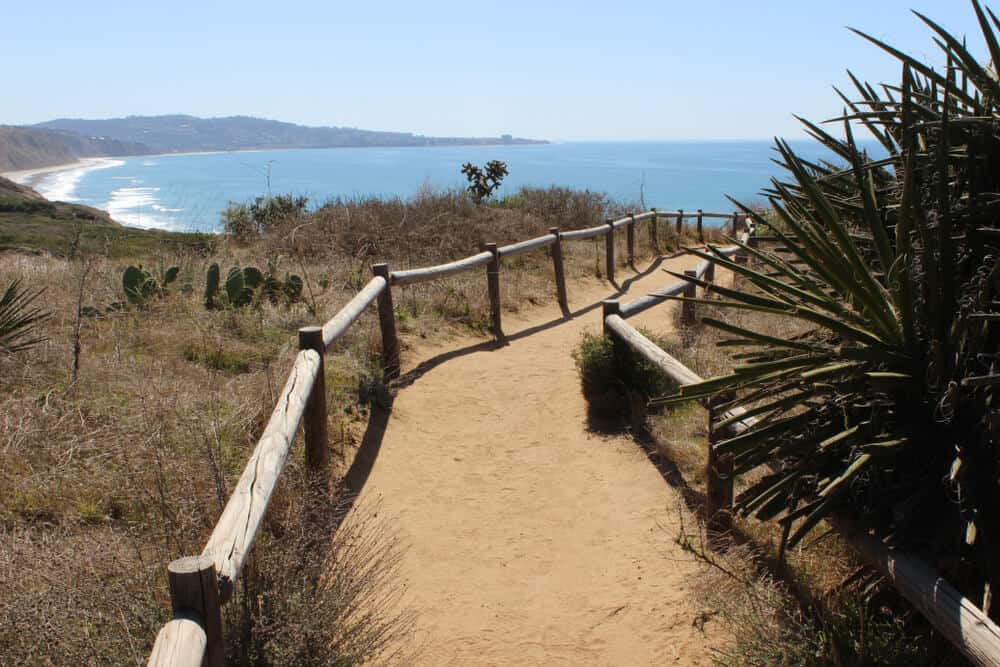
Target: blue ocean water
{"x": 187, "y": 192}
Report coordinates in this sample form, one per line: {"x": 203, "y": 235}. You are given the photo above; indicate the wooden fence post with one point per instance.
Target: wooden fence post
{"x": 680, "y": 224}
{"x": 609, "y": 251}
{"x": 718, "y": 477}
{"x": 701, "y": 233}
{"x": 493, "y": 285}
{"x": 687, "y": 307}
{"x": 557, "y": 262}
{"x": 194, "y": 590}
{"x": 709, "y": 276}
{"x": 314, "y": 418}
{"x": 609, "y": 307}
{"x": 654, "y": 235}
{"x": 631, "y": 240}
{"x": 736, "y": 222}
{"x": 387, "y": 323}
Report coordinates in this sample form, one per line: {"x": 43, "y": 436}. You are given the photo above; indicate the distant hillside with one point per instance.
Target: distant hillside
{"x": 28, "y": 148}
{"x": 180, "y": 133}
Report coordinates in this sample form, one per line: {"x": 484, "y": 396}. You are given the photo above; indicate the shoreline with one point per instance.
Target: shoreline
{"x": 34, "y": 173}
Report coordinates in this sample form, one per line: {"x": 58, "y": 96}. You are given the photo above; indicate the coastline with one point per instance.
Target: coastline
{"x": 31, "y": 176}
{"x": 23, "y": 176}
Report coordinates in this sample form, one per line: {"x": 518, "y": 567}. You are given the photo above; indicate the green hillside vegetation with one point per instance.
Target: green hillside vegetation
{"x": 29, "y": 222}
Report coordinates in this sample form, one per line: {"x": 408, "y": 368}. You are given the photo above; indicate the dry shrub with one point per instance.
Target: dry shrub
{"x": 79, "y": 596}
{"x": 321, "y": 589}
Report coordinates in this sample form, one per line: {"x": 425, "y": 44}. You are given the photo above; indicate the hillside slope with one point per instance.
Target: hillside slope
{"x": 30, "y": 222}
{"x": 29, "y": 148}
{"x": 179, "y": 133}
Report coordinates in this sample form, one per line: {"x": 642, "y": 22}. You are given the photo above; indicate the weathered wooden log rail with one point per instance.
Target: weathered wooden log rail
{"x": 956, "y": 617}
{"x": 200, "y": 585}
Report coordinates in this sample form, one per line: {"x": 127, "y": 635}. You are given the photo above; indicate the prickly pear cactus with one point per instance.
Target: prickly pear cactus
{"x": 293, "y": 288}
{"x": 170, "y": 275}
{"x": 138, "y": 285}
{"x": 211, "y": 285}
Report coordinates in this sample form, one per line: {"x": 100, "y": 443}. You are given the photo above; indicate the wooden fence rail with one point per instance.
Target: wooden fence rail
{"x": 200, "y": 585}
{"x": 956, "y": 617}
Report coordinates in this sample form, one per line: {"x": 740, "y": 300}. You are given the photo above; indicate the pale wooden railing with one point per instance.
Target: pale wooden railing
{"x": 200, "y": 585}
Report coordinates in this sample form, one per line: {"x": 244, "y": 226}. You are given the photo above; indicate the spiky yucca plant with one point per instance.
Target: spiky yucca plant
{"x": 883, "y": 406}
{"x": 18, "y": 319}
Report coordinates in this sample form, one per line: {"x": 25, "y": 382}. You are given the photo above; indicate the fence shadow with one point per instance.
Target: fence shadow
{"x": 411, "y": 376}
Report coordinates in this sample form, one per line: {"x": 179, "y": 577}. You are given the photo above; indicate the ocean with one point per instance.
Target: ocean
{"x": 186, "y": 192}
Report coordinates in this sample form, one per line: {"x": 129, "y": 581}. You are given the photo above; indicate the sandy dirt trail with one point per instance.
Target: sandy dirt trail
{"x": 529, "y": 539}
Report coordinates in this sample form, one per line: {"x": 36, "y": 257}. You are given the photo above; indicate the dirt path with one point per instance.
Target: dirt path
{"x": 531, "y": 540}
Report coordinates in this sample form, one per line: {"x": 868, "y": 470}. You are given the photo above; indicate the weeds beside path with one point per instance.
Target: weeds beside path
{"x": 529, "y": 538}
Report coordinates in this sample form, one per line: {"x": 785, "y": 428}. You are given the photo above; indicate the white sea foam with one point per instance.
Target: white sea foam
{"x": 138, "y": 206}
{"x": 61, "y": 185}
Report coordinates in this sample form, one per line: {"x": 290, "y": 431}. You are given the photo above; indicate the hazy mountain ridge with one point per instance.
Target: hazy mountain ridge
{"x": 30, "y": 147}
{"x": 182, "y": 133}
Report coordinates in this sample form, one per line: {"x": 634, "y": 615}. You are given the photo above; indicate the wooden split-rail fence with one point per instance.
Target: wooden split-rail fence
{"x": 200, "y": 585}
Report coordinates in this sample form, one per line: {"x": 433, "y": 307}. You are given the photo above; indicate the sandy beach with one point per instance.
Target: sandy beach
{"x": 25, "y": 175}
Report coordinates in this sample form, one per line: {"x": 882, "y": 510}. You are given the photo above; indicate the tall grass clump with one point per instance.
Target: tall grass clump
{"x": 882, "y": 407}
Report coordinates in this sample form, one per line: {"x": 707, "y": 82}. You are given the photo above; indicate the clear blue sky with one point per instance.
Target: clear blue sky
{"x": 627, "y": 69}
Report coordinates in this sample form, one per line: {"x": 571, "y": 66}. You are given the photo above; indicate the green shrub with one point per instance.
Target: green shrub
{"x": 216, "y": 358}
{"x": 608, "y": 370}
{"x": 262, "y": 215}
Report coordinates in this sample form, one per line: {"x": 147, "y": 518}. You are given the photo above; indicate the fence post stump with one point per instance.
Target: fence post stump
{"x": 687, "y": 307}
{"x": 718, "y": 478}
{"x": 701, "y": 233}
{"x": 314, "y": 418}
{"x": 631, "y": 240}
{"x": 493, "y": 284}
{"x": 387, "y": 323}
{"x": 194, "y": 591}
{"x": 609, "y": 307}
{"x": 557, "y": 262}
{"x": 709, "y": 276}
{"x": 680, "y": 224}
{"x": 609, "y": 251}
{"x": 736, "y": 222}
{"x": 654, "y": 237}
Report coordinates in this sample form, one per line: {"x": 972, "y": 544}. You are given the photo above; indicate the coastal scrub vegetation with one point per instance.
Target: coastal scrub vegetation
{"x": 875, "y": 400}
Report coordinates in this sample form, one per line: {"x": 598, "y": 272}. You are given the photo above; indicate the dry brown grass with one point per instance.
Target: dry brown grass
{"x": 107, "y": 477}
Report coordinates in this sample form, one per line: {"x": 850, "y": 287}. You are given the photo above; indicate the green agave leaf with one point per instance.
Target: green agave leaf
{"x": 755, "y": 436}
{"x": 914, "y": 63}
{"x": 780, "y": 405}
{"x": 852, "y": 471}
{"x": 754, "y": 337}
{"x": 983, "y": 80}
